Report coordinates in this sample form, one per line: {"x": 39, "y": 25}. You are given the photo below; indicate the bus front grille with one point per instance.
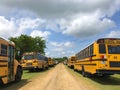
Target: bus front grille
{"x": 114, "y": 64}
{"x": 29, "y": 64}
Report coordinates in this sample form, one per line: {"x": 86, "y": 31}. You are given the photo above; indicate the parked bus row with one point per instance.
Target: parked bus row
{"x": 36, "y": 61}
{"x": 101, "y": 58}
{"x": 12, "y": 70}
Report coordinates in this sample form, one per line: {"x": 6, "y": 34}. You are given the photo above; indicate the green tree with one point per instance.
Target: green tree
{"x": 39, "y": 45}
{"x": 26, "y": 43}
{"x": 65, "y": 58}
{"x": 60, "y": 59}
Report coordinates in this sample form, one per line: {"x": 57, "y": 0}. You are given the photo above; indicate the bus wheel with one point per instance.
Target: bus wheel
{"x": 43, "y": 68}
{"x": 75, "y": 70}
{"x": 83, "y": 72}
{"x": 1, "y": 83}
{"x": 18, "y": 75}
{"x": 105, "y": 76}
{"x": 47, "y": 67}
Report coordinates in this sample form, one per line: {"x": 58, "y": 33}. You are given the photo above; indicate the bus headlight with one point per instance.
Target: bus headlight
{"x": 103, "y": 62}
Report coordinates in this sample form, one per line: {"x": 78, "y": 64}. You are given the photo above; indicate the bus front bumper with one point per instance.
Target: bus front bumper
{"x": 28, "y": 68}
{"x": 100, "y": 71}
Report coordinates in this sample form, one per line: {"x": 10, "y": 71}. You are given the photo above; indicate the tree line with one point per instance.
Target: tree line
{"x": 61, "y": 59}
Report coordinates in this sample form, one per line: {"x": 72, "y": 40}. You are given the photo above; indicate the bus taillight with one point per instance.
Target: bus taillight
{"x": 23, "y": 61}
{"x": 90, "y": 58}
{"x": 35, "y": 61}
{"x": 103, "y": 57}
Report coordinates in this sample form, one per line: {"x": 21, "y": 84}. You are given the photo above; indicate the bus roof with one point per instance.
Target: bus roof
{"x": 8, "y": 41}
{"x": 109, "y": 40}
{"x": 31, "y": 53}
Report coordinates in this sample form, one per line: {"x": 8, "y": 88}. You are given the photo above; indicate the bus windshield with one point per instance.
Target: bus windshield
{"x": 28, "y": 57}
{"x": 114, "y": 49}
{"x": 72, "y": 59}
{"x": 102, "y": 48}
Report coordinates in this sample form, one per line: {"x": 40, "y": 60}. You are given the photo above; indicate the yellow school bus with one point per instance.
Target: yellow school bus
{"x": 101, "y": 58}
{"x": 71, "y": 62}
{"x": 10, "y": 69}
{"x": 50, "y": 62}
{"x": 34, "y": 61}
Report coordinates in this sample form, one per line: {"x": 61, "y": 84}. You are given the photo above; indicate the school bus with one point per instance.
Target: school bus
{"x": 71, "y": 62}
{"x": 50, "y": 62}
{"x": 10, "y": 68}
{"x": 101, "y": 58}
{"x": 34, "y": 61}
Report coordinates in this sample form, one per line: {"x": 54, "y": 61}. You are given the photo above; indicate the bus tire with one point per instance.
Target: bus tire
{"x": 75, "y": 70}
{"x": 105, "y": 76}
{"x": 43, "y": 67}
{"x": 47, "y": 67}
{"x": 83, "y": 72}
{"x": 1, "y": 83}
{"x": 18, "y": 75}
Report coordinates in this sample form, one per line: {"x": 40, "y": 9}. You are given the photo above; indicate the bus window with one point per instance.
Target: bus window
{"x": 113, "y": 49}
{"x": 28, "y": 57}
{"x": 3, "y": 50}
{"x": 40, "y": 57}
{"x": 91, "y": 50}
{"x": 102, "y": 48}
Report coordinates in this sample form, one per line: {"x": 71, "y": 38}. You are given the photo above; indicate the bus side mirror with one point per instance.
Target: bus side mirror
{"x": 18, "y": 52}
{"x": 92, "y": 55}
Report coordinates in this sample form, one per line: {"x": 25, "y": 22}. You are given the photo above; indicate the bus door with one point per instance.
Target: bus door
{"x": 10, "y": 63}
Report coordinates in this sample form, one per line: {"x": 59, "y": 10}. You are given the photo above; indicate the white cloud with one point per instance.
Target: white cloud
{"x": 78, "y": 18}
{"x": 15, "y": 27}
{"x": 60, "y": 53}
{"x": 63, "y": 8}
{"x": 87, "y": 25}
{"x": 66, "y": 44}
{"x": 47, "y": 53}
{"x": 55, "y": 44}
{"x": 26, "y": 23}
{"x": 7, "y": 27}
{"x": 43, "y": 34}
{"x": 60, "y": 49}
{"x": 114, "y": 34}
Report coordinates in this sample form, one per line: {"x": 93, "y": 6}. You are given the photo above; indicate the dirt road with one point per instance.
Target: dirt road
{"x": 59, "y": 78}
{"x": 62, "y": 78}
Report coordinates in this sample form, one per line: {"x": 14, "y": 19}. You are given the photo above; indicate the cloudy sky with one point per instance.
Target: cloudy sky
{"x": 67, "y": 25}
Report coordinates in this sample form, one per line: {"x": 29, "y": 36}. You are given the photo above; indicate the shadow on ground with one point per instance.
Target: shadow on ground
{"x": 14, "y": 85}
{"x": 110, "y": 80}
{"x": 107, "y": 80}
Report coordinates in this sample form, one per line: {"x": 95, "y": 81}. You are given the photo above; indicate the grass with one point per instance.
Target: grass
{"x": 99, "y": 83}
{"x": 29, "y": 75}
{"x": 26, "y": 78}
